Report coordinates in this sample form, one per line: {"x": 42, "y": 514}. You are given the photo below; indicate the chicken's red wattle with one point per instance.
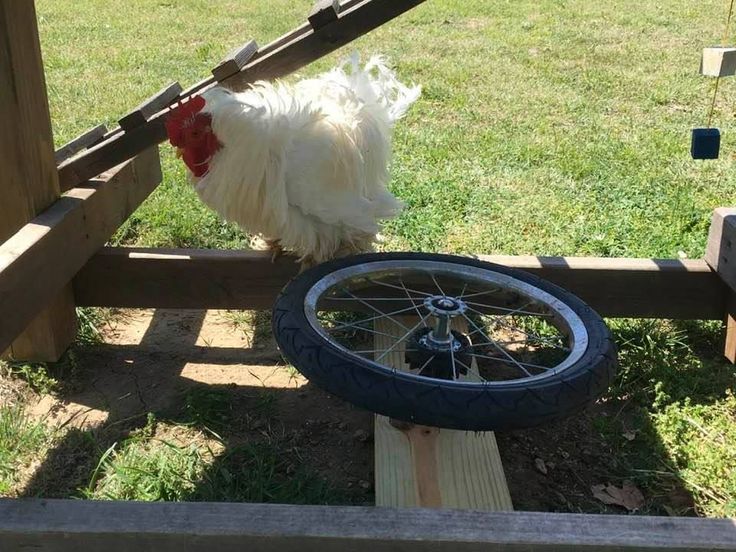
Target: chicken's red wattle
{"x": 191, "y": 132}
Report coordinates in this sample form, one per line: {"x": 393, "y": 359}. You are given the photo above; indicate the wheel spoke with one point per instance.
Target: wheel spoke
{"x": 505, "y": 321}
{"x": 498, "y": 318}
{"x": 519, "y": 363}
{"x": 381, "y": 350}
{"x": 471, "y": 371}
{"x": 385, "y": 315}
{"x": 522, "y": 341}
{"x": 423, "y": 366}
{"x": 369, "y": 330}
{"x": 439, "y": 287}
{"x": 535, "y": 337}
{"x": 374, "y": 309}
{"x": 401, "y": 281}
{"x": 452, "y": 360}
{"x": 497, "y": 345}
{"x": 505, "y": 309}
{"x": 494, "y": 290}
{"x": 397, "y": 287}
{"x": 369, "y": 298}
{"x": 407, "y": 334}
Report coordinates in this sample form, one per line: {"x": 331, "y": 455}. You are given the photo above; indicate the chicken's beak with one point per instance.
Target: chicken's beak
{"x": 179, "y": 152}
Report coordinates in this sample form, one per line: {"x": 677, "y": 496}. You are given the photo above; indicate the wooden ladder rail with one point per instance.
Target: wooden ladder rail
{"x": 281, "y": 57}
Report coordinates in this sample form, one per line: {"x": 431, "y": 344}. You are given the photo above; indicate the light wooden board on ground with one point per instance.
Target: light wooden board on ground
{"x": 429, "y": 467}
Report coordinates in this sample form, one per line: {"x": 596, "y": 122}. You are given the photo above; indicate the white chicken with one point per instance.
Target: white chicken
{"x": 306, "y": 166}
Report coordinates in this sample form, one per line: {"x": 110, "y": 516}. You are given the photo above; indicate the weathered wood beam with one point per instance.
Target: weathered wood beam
{"x": 191, "y": 278}
{"x": 720, "y": 254}
{"x": 187, "y": 278}
{"x": 43, "y": 256}
{"x": 160, "y": 100}
{"x": 28, "y": 179}
{"x": 283, "y": 56}
{"x": 718, "y": 62}
{"x": 73, "y": 525}
{"x": 623, "y": 287}
{"x": 83, "y": 141}
{"x": 353, "y": 22}
{"x": 234, "y": 61}
{"x": 323, "y": 12}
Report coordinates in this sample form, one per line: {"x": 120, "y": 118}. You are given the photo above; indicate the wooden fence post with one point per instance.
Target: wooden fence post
{"x": 29, "y": 180}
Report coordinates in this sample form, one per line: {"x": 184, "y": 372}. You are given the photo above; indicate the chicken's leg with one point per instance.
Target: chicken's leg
{"x": 274, "y": 246}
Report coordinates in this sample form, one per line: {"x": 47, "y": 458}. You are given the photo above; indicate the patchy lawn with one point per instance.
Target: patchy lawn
{"x": 556, "y": 127}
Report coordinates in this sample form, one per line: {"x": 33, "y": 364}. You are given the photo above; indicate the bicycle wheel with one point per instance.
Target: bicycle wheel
{"x": 479, "y": 346}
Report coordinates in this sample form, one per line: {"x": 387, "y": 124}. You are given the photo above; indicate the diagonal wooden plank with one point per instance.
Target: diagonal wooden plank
{"x": 160, "y": 100}
{"x": 323, "y": 12}
{"x": 234, "y": 61}
{"x": 83, "y": 141}
{"x": 283, "y": 56}
{"x": 45, "y": 254}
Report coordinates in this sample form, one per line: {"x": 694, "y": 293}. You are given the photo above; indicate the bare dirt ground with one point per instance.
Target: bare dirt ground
{"x": 152, "y": 358}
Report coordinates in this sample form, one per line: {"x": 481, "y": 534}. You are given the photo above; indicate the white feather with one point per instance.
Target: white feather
{"x": 308, "y": 164}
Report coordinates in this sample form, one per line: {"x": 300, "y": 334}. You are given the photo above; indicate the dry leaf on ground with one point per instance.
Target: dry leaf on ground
{"x": 628, "y": 496}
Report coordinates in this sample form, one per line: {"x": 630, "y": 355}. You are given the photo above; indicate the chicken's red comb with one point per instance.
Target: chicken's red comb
{"x": 178, "y": 117}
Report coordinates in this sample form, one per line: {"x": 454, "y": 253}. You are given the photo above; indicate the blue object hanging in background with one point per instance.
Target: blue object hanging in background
{"x": 705, "y": 144}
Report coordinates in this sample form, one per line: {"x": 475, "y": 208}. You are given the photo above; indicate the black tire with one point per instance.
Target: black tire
{"x": 430, "y": 402}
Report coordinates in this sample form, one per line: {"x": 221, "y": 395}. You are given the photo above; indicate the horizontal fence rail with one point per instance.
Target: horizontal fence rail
{"x": 196, "y": 278}
{"x": 73, "y": 525}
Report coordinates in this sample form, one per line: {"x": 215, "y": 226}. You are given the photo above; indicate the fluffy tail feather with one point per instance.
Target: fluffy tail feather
{"x": 377, "y": 83}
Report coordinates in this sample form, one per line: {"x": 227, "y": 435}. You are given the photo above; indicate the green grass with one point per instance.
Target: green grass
{"x": 21, "y": 438}
{"x": 700, "y": 440}
{"x": 556, "y": 127}
{"x": 190, "y": 465}
{"x": 676, "y": 394}
{"x": 146, "y": 467}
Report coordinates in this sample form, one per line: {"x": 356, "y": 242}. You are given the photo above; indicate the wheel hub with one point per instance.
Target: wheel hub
{"x": 438, "y": 347}
{"x": 440, "y": 305}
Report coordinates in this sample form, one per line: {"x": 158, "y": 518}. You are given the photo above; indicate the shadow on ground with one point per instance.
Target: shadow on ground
{"x": 283, "y": 440}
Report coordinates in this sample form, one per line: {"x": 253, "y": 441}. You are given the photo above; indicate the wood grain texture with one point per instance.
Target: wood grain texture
{"x": 285, "y": 55}
{"x": 718, "y": 62}
{"x": 729, "y": 348}
{"x": 110, "y": 153}
{"x": 43, "y": 256}
{"x": 719, "y": 254}
{"x": 141, "y": 277}
{"x": 234, "y": 61}
{"x": 720, "y": 251}
{"x": 173, "y": 278}
{"x": 75, "y": 525}
{"x": 28, "y": 180}
{"x": 37, "y": 343}
{"x": 83, "y": 141}
{"x": 421, "y": 466}
{"x": 160, "y": 100}
{"x": 353, "y": 22}
{"x": 323, "y": 13}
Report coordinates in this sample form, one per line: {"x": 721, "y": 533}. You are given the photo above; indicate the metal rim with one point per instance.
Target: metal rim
{"x": 428, "y": 305}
